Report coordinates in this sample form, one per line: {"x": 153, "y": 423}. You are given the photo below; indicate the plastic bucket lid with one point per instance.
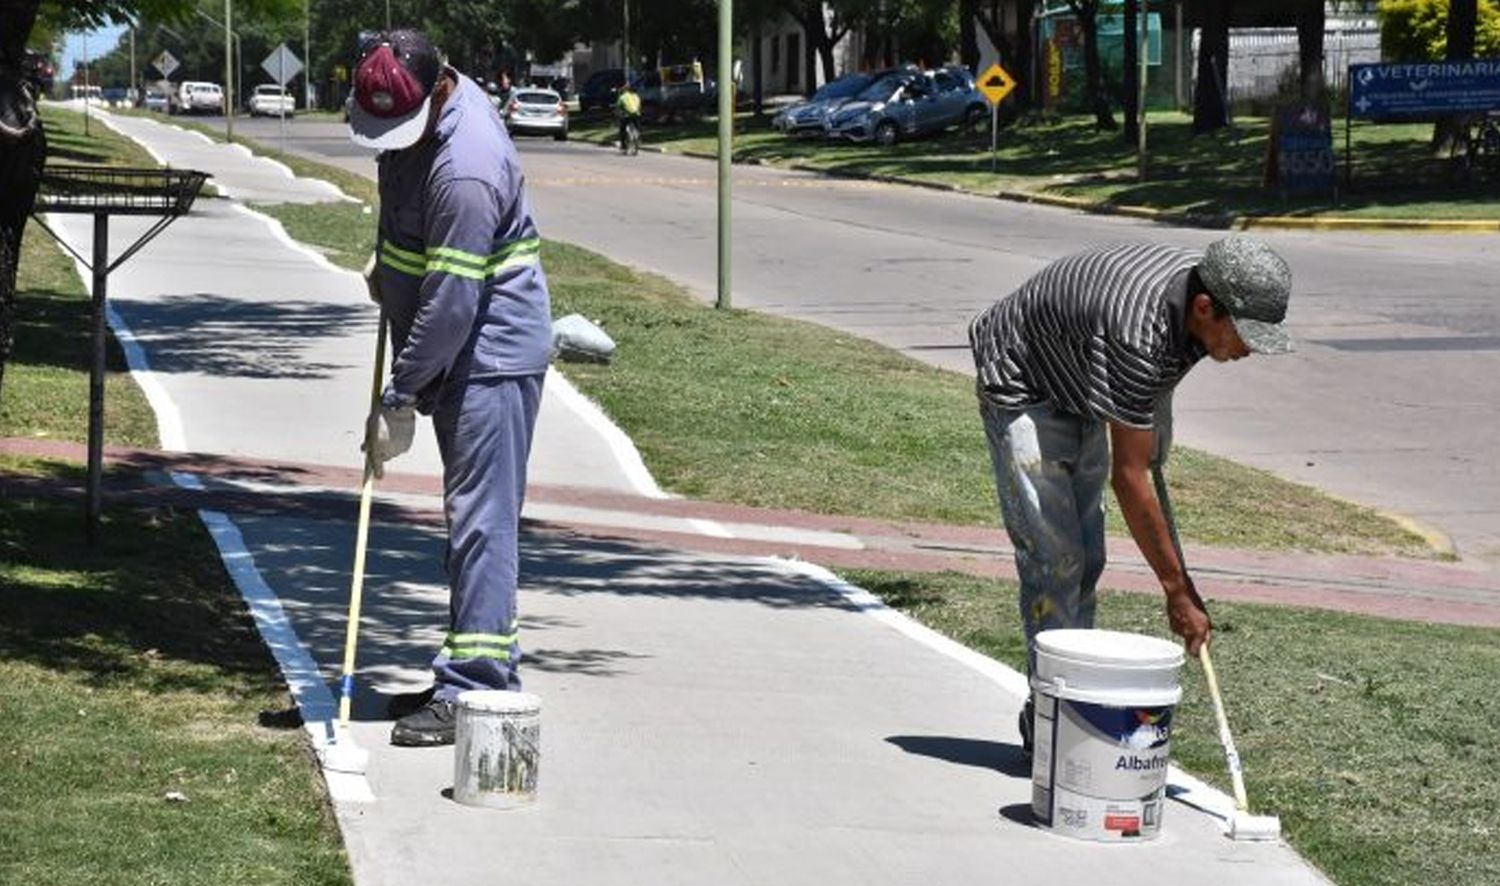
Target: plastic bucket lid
{"x": 1113, "y": 648}
{"x": 499, "y": 701}
{"x": 1107, "y": 667}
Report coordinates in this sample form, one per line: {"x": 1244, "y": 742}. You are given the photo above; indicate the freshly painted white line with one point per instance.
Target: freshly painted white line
{"x": 110, "y": 122}
{"x": 1181, "y": 786}
{"x": 279, "y": 232}
{"x": 620, "y": 445}
{"x": 168, "y": 419}
{"x": 314, "y": 700}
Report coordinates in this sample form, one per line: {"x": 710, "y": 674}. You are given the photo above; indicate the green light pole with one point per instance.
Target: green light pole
{"x": 228, "y": 72}
{"x": 726, "y": 140}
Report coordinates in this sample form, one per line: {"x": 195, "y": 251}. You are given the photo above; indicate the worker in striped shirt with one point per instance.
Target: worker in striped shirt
{"x": 459, "y": 278}
{"x": 1076, "y": 371}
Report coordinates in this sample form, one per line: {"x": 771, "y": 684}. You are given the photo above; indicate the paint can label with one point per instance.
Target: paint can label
{"x": 1099, "y": 772}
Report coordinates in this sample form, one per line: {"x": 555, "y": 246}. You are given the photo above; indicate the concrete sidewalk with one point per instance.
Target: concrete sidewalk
{"x": 708, "y": 718}
{"x": 239, "y": 321}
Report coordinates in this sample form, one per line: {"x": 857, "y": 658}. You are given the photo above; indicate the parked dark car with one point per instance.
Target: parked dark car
{"x": 807, "y": 117}
{"x": 600, "y": 89}
{"x": 663, "y": 100}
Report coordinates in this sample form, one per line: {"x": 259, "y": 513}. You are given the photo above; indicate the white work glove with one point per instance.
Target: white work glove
{"x": 388, "y": 433}
{"x": 372, "y": 281}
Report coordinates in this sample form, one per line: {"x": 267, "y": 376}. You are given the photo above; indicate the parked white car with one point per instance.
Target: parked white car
{"x": 195, "y": 96}
{"x": 272, "y": 101}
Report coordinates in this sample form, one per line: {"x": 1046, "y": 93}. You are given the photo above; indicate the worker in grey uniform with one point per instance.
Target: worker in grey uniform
{"x": 1076, "y": 371}
{"x": 458, "y": 276}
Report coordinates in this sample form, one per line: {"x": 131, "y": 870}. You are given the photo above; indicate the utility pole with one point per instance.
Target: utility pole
{"x": 387, "y": 15}
{"x": 625, "y": 43}
{"x": 132, "y": 90}
{"x": 1140, "y": 148}
{"x": 228, "y": 73}
{"x": 307, "y": 77}
{"x": 85, "y": 82}
{"x": 726, "y": 141}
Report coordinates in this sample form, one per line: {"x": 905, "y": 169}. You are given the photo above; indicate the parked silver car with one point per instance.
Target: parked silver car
{"x": 538, "y": 111}
{"x": 808, "y": 117}
{"x": 906, "y": 103}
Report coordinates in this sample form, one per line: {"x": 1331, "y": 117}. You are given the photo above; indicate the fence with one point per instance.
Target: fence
{"x": 1263, "y": 60}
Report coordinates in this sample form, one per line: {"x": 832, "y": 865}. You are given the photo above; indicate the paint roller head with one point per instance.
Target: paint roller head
{"x": 1244, "y": 826}
{"x": 343, "y": 755}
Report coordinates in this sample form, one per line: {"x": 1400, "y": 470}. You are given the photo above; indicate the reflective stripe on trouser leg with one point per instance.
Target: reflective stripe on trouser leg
{"x": 484, "y": 430}
{"x": 1050, "y": 470}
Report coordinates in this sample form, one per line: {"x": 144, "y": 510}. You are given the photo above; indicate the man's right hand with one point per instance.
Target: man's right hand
{"x": 1188, "y": 617}
{"x": 388, "y": 433}
{"x": 372, "y": 280}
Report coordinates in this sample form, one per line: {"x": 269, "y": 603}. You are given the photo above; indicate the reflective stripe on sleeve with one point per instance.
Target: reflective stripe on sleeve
{"x": 403, "y": 260}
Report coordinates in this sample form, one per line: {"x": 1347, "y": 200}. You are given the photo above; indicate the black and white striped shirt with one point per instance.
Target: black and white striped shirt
{"x": 1100, "y": 334}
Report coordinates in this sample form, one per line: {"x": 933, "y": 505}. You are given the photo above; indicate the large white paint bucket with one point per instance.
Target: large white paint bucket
{"x": 1104, "y": 703}
{"x": 496, "y": 748}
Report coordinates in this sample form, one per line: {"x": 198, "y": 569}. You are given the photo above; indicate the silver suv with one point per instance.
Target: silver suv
{"x": 906, "y": 102}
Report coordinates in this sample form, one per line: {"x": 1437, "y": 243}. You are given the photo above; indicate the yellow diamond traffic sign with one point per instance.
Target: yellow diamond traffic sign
{"x": 996, "y": 83}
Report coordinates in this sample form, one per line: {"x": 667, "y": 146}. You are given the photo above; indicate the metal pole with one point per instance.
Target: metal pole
{"x": 387, "y": 15}
{"x": 281, "y": 81}
{"x": 228, "y": 73}
{"x": 625, "y": 44}
{"x": 307, "y": 76}
{"x": 132, "y": 62}
{"x": 726, "y": 141}
{"x": 994, "y": 136}
{"x": 94, "y": 506}
{"x": 85, "y": 83}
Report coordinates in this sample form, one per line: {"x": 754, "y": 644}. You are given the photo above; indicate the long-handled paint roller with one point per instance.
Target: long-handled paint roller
{"x": 343, "y": 754}
{"x": 1242, "y": 825}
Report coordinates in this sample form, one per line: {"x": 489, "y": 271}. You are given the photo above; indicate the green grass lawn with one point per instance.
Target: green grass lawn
{"x": 133, "y": 670}
{"x": 1377, "y": 742}
{"x": 737, "y": 406}
{"x": 1213, "y": 175}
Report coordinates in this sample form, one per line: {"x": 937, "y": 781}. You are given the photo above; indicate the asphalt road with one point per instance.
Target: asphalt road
{"x": 1390, "y": 399}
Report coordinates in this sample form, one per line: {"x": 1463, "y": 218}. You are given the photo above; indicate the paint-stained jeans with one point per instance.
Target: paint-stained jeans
{"x": 1050, "y": 471}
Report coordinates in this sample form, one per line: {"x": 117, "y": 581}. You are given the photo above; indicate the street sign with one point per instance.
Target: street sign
{"x": 1424, "y": 89}
{"x": 165, "y": 63}
{"x": 996, "y": 83}
{"x": 282, "y": 64}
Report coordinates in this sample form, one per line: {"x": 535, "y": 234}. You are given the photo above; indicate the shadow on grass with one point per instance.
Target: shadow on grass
{"x": 150, "y": 599}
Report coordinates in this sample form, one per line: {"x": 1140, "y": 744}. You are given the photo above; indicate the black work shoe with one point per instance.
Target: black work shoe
{"x": 408, "y": 703}
{"x": 1026, "y": 722}
{"x": 429, "y": 726}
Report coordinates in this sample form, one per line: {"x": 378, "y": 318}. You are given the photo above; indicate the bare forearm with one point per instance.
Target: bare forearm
{"x": 1148, "y": 526}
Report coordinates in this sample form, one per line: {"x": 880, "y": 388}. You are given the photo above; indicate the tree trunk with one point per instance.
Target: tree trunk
{"x": 23, "y": 150}
{"x": 1131, "y": 81}
{"x": 1093, "y": 74}
{"x": 1311, "y": 23}
{"x": 968, "y": 38}
{"x": 1025, "y": 95}
{"x": 756, "y": 39}
{"x": 1450, "y": 133}
{"x": 1210, "y": 104}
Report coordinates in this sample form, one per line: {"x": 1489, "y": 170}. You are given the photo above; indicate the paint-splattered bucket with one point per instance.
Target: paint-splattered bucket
{"x": 1104, "y": 703}
{"x": 497, "y": 748}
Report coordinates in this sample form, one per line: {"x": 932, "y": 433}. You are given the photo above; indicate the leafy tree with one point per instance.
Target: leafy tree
{"x": 1311, "y": 23}
{"x": 1417, "y": 30}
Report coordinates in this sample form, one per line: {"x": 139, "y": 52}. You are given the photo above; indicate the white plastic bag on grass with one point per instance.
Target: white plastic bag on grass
{"x": 576, "y": 340}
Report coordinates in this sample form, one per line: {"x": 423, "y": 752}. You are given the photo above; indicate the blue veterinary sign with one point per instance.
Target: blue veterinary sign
{"x": 1424, "y": 89}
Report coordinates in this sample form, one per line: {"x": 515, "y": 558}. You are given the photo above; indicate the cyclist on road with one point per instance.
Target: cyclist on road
{"x": 628, "y": 106}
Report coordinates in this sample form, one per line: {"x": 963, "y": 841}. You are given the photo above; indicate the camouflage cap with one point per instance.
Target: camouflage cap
{"x": 1249, "y": 279}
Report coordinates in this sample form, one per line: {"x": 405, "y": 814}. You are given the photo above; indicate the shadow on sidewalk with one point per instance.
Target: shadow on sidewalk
{"x": 404, "y": 613}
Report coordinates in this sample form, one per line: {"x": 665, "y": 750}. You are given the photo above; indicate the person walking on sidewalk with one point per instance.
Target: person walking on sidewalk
{"x": 1075, "y": 374}
{"x": 458, "y": 275}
